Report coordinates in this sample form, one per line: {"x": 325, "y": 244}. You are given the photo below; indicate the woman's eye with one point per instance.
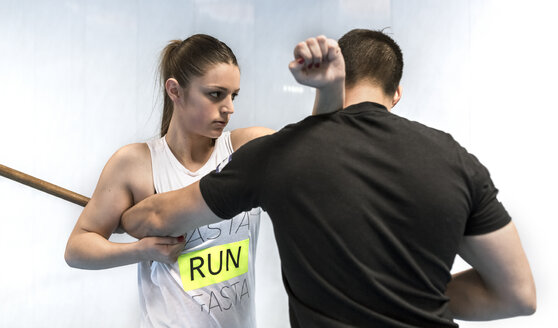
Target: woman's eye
{"x": 234, "y": 95}
{"x": 215, "y": 94}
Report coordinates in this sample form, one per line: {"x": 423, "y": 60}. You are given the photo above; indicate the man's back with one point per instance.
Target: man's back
{"x": 368, "y": 219}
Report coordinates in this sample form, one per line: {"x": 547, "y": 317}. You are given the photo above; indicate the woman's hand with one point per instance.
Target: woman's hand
{"x": 162, "y": 249}
{"x": 318, "y": 62}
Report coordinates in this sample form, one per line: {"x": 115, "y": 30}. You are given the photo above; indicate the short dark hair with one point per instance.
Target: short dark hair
{"x": 373, "y": 56}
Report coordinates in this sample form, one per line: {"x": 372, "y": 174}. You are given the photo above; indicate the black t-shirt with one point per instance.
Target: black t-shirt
{"x": 368, "y": 211}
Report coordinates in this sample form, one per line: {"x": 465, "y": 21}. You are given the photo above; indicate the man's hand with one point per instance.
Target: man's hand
{"x": 318, "y": 62}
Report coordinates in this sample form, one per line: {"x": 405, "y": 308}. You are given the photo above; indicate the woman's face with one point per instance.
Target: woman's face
{"x": 208, "y": 101}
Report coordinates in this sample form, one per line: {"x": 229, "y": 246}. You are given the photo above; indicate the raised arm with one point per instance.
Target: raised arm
{"x": 319, "y": 63}
{"x": 121, "y": 182}
{"x": 171, "y": 213}
{"x": 500, "y": 283}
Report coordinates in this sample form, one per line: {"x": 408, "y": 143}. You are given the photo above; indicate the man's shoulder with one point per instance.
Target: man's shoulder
{"x": 302, "y": 126}
{"x": 428, "y": 131}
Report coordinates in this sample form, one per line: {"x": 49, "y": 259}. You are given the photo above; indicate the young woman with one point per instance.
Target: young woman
{"x": 205, "y": 278}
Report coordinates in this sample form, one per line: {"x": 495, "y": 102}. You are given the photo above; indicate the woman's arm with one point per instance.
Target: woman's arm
{"x": 241, "y": 136}
{"x": 318, "y": 63}
{"x": 126, "y": 179}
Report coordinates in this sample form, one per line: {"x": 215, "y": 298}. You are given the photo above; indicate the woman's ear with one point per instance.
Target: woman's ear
{"x": 173, "y": 89}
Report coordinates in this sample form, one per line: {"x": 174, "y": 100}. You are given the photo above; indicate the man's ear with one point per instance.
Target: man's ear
{"x": 173, "y": 89}
{"x": 397, "y": 95}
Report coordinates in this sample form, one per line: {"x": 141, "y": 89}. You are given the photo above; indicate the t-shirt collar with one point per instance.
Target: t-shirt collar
{"x": 366, "y": 106}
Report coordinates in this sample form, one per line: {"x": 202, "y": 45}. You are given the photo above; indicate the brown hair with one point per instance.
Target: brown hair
{"x": 186, "y": 59}
{"x": 374, "y": 56}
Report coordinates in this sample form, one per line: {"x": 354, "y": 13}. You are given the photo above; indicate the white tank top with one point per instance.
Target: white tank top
{"x": 212, "y": 284}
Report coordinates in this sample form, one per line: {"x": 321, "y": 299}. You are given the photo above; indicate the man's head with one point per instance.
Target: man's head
{"x": 372, "y": 57}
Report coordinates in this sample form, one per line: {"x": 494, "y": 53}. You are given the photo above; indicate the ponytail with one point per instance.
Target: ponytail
{"x": 165, "y": 71}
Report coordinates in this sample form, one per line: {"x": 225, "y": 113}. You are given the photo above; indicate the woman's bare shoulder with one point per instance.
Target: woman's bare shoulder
{"x": 241, "y": 136}
{"x": 131, "y": 167}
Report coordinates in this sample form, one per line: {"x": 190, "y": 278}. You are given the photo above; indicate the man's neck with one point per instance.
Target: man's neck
{"x": 366, "y": 92}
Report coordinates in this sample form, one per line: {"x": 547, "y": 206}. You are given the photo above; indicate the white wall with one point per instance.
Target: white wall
{"x": 77, "y": 81}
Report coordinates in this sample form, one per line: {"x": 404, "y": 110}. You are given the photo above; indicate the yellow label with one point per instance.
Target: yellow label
{"x": 212, "y": 265}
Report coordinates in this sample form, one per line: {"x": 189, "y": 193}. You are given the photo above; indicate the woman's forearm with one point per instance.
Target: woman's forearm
{"x": 89, "y": 250}
{"x": 329, "y": 98}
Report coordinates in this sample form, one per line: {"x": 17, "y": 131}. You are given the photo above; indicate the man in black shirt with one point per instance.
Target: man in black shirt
{"x": 369, "y": 211}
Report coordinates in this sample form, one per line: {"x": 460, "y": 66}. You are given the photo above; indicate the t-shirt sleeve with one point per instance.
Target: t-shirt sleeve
{"x": 235, "y": 188}
{"x": 488, "y": 214}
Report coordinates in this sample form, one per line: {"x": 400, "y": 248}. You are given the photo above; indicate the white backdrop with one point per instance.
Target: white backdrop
{"x": 77, "y": 81}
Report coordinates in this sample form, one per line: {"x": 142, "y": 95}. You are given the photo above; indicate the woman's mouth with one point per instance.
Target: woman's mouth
{"x": 220, "y": 124}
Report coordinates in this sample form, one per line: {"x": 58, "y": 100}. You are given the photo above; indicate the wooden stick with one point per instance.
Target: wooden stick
{"x": 43, "y": 186}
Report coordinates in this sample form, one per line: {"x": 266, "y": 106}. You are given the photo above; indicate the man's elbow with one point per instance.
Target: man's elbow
{"x": 154, "y": 225}
{"x": 150, "y": 225}
{"x": 528, "y": 303}
{"x": 530, "y": 308}
{"x": 524, "y": 300}
{"x": 143, "y": 219}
